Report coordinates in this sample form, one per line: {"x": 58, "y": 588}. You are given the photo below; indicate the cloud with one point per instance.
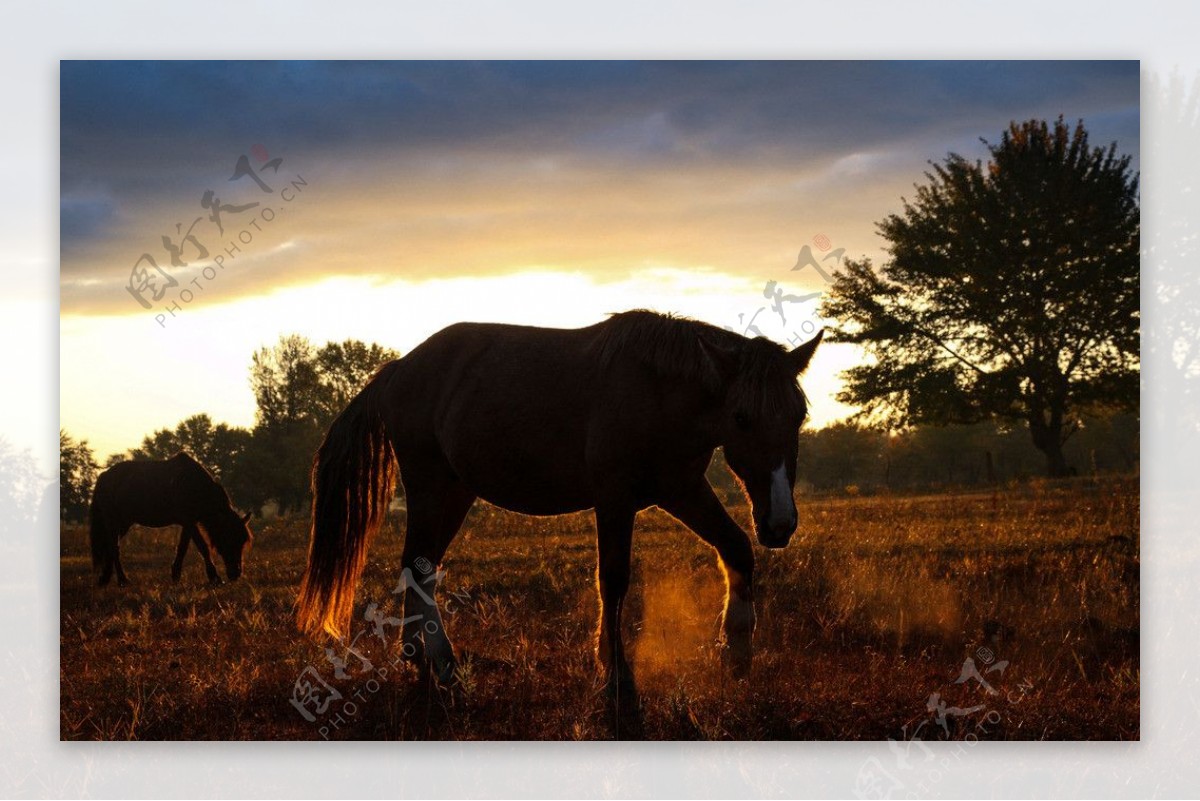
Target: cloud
{"x": 427, "y": 169}
{"x": 83, "y": 215}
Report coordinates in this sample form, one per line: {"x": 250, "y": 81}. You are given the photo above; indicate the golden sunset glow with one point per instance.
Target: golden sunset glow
{"x": 510, "y": 193}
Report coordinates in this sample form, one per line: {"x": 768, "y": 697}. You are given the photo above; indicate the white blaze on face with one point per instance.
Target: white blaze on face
{"x": 782, "y": 509}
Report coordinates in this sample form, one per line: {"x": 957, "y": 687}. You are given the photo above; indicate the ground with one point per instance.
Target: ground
{"x": 866, "y": 623}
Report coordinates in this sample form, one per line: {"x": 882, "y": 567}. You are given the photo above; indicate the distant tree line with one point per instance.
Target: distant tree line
{"x": 856, "y": 458}
{"x": 298, "y": 389}
{"x": 22, "y": 491}
{"x": 77, "y": 470}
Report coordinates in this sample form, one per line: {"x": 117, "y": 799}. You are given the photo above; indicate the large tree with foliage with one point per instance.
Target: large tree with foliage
{"x": 21, "y": 490}
{"x": 77, "y": 471}
{"x": 217, "y": 447}
{"x": 344, "y": 369}
{"x": 1011, "y": 292}
{"x": 299, "y": 388}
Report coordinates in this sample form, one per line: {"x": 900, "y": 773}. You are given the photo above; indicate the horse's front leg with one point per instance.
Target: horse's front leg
{"x": 614, "y": 537}
{"x": 697, "y": 507}
{"x": 210, "y": 569}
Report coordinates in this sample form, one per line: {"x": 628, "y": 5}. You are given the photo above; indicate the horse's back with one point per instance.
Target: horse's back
{"x": 141, "y": 492}
{"x": 507, "y": 406}
{"x": 498, "y": 368}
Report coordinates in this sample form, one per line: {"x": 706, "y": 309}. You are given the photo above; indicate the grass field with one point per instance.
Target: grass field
{"x": 874, "y": 608}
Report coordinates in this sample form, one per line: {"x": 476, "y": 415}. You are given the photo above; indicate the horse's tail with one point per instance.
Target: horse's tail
{"x": 353, "y": 480}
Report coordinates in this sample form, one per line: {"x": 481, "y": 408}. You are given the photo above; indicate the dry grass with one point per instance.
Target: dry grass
{"x": 873, "y": 608}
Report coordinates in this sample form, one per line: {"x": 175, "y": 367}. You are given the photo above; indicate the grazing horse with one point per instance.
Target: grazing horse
{"x": 615, "y": 417}
{"x": 174, "y": 492}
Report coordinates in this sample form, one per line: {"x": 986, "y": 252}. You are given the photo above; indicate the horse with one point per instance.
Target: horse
{"x": 173, "y": 492}
{"x": 615, "y": 417}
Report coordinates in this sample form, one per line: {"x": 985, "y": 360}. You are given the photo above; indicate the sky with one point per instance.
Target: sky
{"x": 385, "y": 200}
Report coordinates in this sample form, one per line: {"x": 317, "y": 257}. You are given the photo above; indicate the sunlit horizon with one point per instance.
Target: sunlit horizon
{"x": 385, "y": 201}
{"x": 203, "y": 370}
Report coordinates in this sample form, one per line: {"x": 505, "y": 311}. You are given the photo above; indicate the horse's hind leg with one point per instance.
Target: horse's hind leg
{"x": 614, "y": 536}
{"x": 106, "y": 568}
{"x": 104, "y": 545}
{"x": 180, "y": 550}
{"x": 110, "y": 554}
{"x": 437, "y": 505}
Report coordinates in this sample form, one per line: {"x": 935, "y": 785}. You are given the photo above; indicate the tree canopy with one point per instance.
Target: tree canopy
{"x": 77, "y": 471}
{"x": 298, "y": 389}
{"x": 1011, "y": 292}
{"x": 217, "y": 447}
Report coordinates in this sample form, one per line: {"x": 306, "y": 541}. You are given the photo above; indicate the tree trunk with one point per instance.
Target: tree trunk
{"x": 1056, "y": 463}
{"x": 1047, "y": 438}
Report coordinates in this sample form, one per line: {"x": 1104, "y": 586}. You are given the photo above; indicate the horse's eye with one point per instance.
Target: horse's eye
{"x": 742, "y": 419}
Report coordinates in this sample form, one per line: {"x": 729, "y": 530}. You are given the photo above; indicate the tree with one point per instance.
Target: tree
{"x": 1172, "y": 345}
{"x": 1011, "y": 292}
{"x": 286, "y": 384}
{"x": 344, "y": 369}
{"x": 841, "y": 454}
{"x": 20, "y": 491}
{"x": 77, "y": 471}
{"x": 217, "y": 447}
{"x": 288, "y": 393}
{"x": 299, "y": 389}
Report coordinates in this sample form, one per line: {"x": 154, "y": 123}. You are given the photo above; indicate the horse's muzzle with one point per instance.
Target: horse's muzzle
{"x": 776, "y": 534}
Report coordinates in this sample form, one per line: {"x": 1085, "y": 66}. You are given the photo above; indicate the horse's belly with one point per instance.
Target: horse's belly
{"x": 539, "y": 505}
{"x": 156, "y": 521}
{"x": 525, "y": 481}
{"x": 527, "y": 488}
{"x": 519, "y": 450}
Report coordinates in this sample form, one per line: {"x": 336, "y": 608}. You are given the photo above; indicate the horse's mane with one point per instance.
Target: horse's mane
{"x": 189, "y": 463}
{"x": 683, "y": 349}
{"x": 198, "y": 473}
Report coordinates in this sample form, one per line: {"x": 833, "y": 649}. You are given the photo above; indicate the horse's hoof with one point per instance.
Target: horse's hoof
{"x": 620, "y": 685}
{"x": 175, "y": 577}
{"x": 737, "y": 661}
{"x": 414, "y": 654}
{"x": 215, "y": 581}
{"x": 122, "y": 582}
{"x": 446, "y": 672}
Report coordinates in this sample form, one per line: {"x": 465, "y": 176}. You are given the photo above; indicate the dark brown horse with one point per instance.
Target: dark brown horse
{"x": 619, "y": 416}
{"x": 174, "y": 492}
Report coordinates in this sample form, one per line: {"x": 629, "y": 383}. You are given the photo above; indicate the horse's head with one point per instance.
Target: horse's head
{"x": 231, "y": 537}
{"x": 762, "y": 416}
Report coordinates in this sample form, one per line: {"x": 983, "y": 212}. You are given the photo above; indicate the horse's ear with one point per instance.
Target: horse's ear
{"x": 803, "y": 353}
{"x": 723, "y": 361}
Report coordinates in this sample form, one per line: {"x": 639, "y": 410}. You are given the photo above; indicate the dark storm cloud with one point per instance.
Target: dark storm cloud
{"x": 138, "y": 135}
{"x": 124, "y": 119}
{"x": 83, "y": 215}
